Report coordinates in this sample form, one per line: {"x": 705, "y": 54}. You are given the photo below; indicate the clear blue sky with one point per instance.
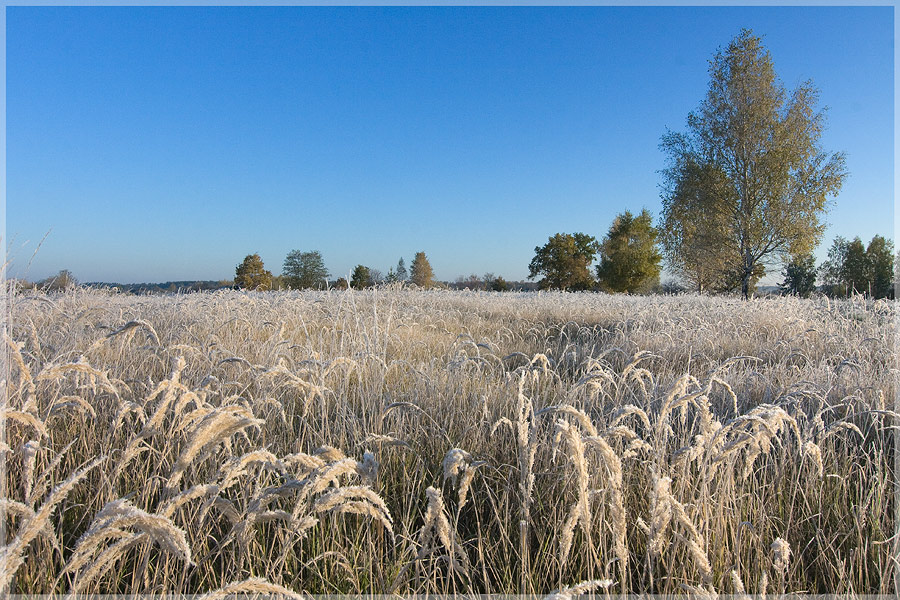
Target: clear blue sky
{"x": 164, "y": 144}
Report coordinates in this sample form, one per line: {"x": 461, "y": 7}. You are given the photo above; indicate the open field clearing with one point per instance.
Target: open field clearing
{"x": 436, "y": 442}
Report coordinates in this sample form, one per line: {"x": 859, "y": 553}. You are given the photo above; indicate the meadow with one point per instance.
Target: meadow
{"x": 405, "y": 442}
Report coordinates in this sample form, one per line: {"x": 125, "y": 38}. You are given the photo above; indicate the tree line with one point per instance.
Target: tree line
{"x": 851, "y": 268}
{"x": 307, "y": 271}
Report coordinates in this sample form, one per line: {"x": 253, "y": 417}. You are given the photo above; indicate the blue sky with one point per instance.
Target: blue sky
{"x": 161, "y": 144}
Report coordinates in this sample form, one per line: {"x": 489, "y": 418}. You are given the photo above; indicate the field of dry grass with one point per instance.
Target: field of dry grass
{"x": 393, "y": 441}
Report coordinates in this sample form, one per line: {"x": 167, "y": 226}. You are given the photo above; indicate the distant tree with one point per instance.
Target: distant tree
{"x": 856, "y": 267}
{"x": 420, "y": 271}
{"x": 672, "y": 286}
{"x": 61, "y": 281}
{"x": 23, "y": 284}
{"x": 305, "y": 270}
{"x": 375, "y": 276}
{"x": 494, "y": 283}
{"x": 564, "y": 262}
{"x": 360, "y": 278}
{"x": 833, "y": 270}
{"x": 800, "y": 276}
{"x": 251, "y": 274}
{"x": 472, "y": 282}
{"x": 402, "y": 273}
{"x": 758, "y": 146}
{"x": 341, "y": 284}
{"x": 498, "y": 284}
{"x": 852, "y": 267}
{"x": 391, "y": 277}
{"x": 629, "y": 259}
{"x": 880, "y": 262}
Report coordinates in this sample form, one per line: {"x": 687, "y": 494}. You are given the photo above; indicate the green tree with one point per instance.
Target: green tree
{"x": 880, "y": 262}
{"x": 360, "y": 278}
{"x": 421, "y": 273}
{"x": 564, "y": 261}
{"x": 629, "y": 259}
{"x": 305, "y": 270}
{"x": 695, "y": 249}
{"x": 758, "y": 146}
{"x": 498, "y": 284}
{"x": 856, "y": 267}
{"x": 251, "y": 274}
{"x": 800, "y": 276}
{"x": 833, "y": 271}
{"x": 402, "y": 273}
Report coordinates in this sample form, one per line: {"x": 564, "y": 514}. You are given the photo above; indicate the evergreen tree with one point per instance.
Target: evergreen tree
{"x": 402, "y": 273}
{"x": 251, "y": 274}
{"x": 832, "y": 271}
{"x": 360, "y": 278}
{"x": 800, "y": 276}
{"x": 856, "y": 267}
{"x": 880, "y": 261}
{"x": 420, "y": 271}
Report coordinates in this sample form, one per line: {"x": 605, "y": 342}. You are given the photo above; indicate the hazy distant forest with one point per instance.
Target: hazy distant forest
{"x": 404, "y": 439}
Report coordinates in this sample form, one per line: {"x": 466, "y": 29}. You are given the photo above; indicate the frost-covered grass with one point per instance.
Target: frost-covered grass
{"x": 431, "y": 442}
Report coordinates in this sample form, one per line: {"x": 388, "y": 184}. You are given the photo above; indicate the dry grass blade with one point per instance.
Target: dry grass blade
{"x": 13, "y": 555}
{"x": 580, "y": 416}
{"x": 54, "y": 372}
{"x": 25, "y": 379}
{"x": 360, "y": 500}
{"x": 437, "y": 526}
{"x": 130, "y": 325}
{"x": 218, "y": 426}
{"x": 25, "y": 418}
{"x": 455, "y": 463}
{"x": 115, "y": 520}
{"x": 252, "y": 587}
{"x": 585, "y": 587}
{"x": 238, "y": 465}
{"x": 23, "y": 511}
{"x": 29, "y": 457}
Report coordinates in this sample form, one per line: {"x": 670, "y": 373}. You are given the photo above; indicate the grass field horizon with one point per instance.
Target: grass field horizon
{"x": 410, "y": 442}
